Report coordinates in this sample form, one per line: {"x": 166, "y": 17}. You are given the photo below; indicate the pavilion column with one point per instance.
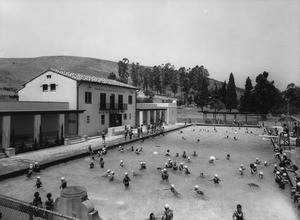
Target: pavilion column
{"x": 159, "y": 115}
{"x": 6, "y": 127}
{"x": 36, "y": 126}
{"x": 141, "y": 118}
{"x": 224, "y": 118}
{"x": 246, "y": 119}
{"x": 61, "y": 122}
{"x": 148, "y": 117}
{"x": 79, "y": 124}
{"x": 214, "y": 117}
{"x": 154, "y": 116}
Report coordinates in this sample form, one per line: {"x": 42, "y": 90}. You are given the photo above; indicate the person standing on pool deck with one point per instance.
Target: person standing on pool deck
{"x": 238, "y": 214}
{"x": 63, "y": 183}
{"x": 126, "y": 180}
{"x": 103, "y": 137}
{"x": 168, "y": 214}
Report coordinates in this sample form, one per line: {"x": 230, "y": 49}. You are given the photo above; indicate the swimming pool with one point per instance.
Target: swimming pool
{"x": 146, "y": 193}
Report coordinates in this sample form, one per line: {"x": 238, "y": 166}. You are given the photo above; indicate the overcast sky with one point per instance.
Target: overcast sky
{"x": 245, "y": 37}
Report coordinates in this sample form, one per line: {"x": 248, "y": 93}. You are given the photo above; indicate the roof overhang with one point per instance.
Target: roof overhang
{"x": 40, "y": 112}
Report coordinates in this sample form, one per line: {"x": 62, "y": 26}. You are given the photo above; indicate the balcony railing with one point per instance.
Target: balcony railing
{"x": 113, "y": 106}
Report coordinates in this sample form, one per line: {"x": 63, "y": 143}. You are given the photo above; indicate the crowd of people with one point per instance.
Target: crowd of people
{"x": 280, "y": 172}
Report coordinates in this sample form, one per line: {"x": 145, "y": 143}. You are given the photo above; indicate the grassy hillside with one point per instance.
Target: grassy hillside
{"x": 14, "y": 72}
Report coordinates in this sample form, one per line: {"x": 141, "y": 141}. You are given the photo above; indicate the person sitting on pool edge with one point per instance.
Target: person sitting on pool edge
{"x": 49, "y": 204}
{"x": 126, "y": 181}
{"x": 36, "y": 167}
{"x": 168, "y": 153}
{"x": 30, "y": 171}
{"x": 37, "y": 201}
{"x": 238, "y": 214}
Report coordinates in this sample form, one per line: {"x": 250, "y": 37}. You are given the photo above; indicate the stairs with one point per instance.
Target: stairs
{"x": 2, "y": 154}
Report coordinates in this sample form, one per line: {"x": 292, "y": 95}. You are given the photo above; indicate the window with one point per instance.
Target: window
{"x": 130, "y": 100}
{"x": 102, "y": 101}
{"x": 125, "y": 116}
{"x": 45, "y": 87}
{"x": 48, "y": 76}
{"x": 102, "y": 119}
{"x": 52, "y": 87}
{"x": 87, "y": 119}
{"x": 129, "y": 115}
{"x": 88, "y": 98}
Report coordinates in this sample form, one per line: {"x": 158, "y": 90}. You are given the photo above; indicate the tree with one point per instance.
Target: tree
{"x": 231, "y": 96}
{"x": 264, "y": 94}
{"x": 245, "y": 101}
{"x": 202, "y": 94}
{"x": 112, "y": 75}
{"x": 174, "y": 82}
{"x": 135, "y": 73}
{"x": 292, "y": 98}
{"x": 146, "y": 72}
{"x": 123, "y": 70}
{"x": 222, "y": 92}
{"x": 157, "y": 79}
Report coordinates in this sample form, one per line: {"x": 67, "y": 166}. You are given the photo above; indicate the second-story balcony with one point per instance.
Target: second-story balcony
{"x": 113, "y": 106}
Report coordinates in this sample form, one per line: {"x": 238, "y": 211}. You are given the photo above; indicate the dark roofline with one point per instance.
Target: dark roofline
{"x": 57, "y": 71}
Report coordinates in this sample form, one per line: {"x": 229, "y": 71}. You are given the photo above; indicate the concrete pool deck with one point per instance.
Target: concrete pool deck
{"x": 19, "y": 164}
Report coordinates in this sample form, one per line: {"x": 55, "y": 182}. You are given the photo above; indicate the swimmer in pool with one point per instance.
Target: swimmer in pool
{"x": 196, "y": 188}
{"x": 173, "y": 190}
{"x": 216, "y": 179}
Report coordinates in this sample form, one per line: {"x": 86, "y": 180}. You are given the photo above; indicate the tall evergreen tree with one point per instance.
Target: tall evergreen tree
{"x": 231, "y": 96}
{"x": 135, "y": 73}
{"x": 245, "y": 101}
{"x": 123, "y": 66}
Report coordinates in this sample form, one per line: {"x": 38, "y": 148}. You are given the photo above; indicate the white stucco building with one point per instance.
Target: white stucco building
{"x": 106, "y": 103}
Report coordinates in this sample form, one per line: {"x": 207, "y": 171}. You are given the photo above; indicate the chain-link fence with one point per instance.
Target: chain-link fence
{"x": 13, "y": 209}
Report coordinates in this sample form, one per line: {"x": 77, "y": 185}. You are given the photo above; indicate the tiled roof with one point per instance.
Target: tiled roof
{"x": 88, "y": 78}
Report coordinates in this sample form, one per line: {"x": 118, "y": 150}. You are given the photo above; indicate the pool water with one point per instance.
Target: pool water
{"x": 146, "y": 193}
